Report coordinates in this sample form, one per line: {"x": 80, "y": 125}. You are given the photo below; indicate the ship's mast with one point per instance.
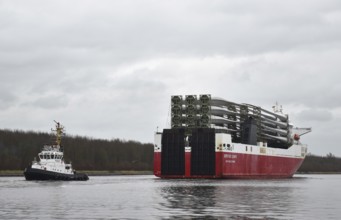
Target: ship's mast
{"x": 59, "y": 132}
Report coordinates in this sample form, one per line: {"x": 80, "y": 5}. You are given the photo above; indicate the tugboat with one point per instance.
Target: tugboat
{"x": 51, "y": 165}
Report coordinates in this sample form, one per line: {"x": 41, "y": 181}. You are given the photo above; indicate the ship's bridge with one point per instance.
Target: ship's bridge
{"x": 50, "y": 152}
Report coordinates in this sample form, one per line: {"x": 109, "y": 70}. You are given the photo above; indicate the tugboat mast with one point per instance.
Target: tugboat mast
{"x": 59, "y": 132}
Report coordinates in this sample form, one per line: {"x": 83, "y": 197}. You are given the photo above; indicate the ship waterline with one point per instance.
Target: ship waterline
{"x": 233, "y": 166}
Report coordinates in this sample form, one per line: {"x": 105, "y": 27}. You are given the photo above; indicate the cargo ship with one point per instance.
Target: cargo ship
{"x": 214, "y": 138}
{"x": 51, "y": 165}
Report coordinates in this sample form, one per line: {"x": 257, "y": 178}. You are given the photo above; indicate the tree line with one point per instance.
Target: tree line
{"x": 18, "y": 148}
{"x": 321, "y": 164}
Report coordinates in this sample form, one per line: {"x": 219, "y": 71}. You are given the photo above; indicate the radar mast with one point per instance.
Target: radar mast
{"x": 59, "y": 132}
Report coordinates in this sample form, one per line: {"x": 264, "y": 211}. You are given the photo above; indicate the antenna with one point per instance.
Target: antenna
{"x": 59, "y": 132}
{"x": 277, "y": 108}
{"x": 168, "y": 116}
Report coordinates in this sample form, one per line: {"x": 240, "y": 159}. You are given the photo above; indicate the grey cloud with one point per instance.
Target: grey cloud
{"x": 113, "y": 65}
{"x": 315, "y": 115}
{"x": 6, "y": 99}
{"x": 49, "y": 102}
{"x": 154, "y": 28}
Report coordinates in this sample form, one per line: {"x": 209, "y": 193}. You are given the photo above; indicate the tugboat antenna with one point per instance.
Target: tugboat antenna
{"x": 59, "y": 132}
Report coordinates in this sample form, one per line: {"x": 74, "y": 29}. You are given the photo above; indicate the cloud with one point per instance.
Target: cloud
{"x": 315, "y": 115}
{"x": 49, "y": 102}
{"x": 6, "y": 99}
{"x": 108, "y": 69}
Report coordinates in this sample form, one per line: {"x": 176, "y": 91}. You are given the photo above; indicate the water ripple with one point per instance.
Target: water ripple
{"x": 147, "y": 197}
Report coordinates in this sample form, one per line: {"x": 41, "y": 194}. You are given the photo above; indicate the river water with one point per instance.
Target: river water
{"x": 147, "y": 197}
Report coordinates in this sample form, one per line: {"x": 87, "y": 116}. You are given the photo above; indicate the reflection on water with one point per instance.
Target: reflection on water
{"x": 221, "y": 198}
{"x": 251, "y": 199}
{"x": 194, "y": 199}
{"x": 147, "y": 197}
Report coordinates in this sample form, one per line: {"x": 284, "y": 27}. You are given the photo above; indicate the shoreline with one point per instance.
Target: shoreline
{"x": 13, "y": 173}
{"x": 318, "y": 172}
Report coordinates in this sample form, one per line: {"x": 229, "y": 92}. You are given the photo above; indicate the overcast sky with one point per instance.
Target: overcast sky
{"x": 107, "y": 69}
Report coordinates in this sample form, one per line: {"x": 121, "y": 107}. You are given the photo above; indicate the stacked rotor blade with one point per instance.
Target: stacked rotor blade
{"x": 176, "y": 109}
{"x": 191, "y": 111}
{"x": 205, "y": 111}
{"x": 270, "y": 125}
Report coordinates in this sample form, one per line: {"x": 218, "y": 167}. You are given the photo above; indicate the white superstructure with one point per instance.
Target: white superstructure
{"x": 51, "y": 159}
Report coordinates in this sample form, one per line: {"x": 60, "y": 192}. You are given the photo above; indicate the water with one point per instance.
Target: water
{"x": 147, "y": 197}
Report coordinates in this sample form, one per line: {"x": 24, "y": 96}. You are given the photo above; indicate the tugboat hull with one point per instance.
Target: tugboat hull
{"x": 38, "y": 174}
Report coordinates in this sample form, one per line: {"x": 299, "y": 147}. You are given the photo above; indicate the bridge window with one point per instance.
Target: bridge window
{"x": 245, "y": 148}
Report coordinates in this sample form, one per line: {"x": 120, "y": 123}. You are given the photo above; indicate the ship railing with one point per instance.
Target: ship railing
{"x": 55, "y": 148}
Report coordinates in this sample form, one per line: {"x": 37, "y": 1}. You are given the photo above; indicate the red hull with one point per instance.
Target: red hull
{"x": 240, "y": 166}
